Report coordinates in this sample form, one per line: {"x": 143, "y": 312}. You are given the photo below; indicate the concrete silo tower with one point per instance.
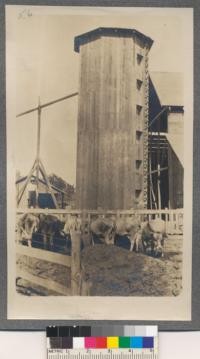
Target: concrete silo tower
{"x": 112, "y": 144}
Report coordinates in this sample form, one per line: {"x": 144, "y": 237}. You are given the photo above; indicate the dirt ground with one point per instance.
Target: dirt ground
{"x": 113, "y": 271}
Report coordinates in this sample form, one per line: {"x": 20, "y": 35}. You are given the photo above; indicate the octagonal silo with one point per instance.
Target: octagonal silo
{"x": 112, "y": 143}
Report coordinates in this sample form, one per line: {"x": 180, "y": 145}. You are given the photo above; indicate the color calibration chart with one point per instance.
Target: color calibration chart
{"x": 102, "y": 342}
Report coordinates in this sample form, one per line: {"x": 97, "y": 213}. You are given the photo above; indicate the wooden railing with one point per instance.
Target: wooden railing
{"x": 172, "y": 218}
{"x": 72, "y": 262}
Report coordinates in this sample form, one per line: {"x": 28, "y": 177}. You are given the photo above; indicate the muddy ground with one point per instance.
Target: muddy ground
{"x": 113, "y": 271}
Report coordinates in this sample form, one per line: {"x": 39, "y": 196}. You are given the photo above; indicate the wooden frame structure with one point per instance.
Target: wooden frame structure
{"x": 159, "y": 145}
{"x": 38, "y": 167}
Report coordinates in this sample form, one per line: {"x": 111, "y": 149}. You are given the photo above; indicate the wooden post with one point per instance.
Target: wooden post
{"x": 118, "y": 215}
{"x": 176, "y": 222}
{"x": 158, "y": 167}
{"x": 158, "y": 184}
{"x": 85, "y": 288}
{"x": 38, "y": 153}
{"x": 171, "y": 222}
{"x": 89, "y": 218}
{"x": 26, "y": 183}
{"x": 86, "y": 284}
{"x": 18, "y": 237}
{"x": 166, "y": 221}
{"x": 76, "y": 262}
{"x": 48, "y": 184}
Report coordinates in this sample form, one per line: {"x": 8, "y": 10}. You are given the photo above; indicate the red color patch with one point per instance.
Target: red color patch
{"x": 101, "y": 342}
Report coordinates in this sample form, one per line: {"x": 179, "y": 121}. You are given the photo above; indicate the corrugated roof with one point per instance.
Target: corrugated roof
{"x": 169, "y": 87}
{"x": 109, "y": 31}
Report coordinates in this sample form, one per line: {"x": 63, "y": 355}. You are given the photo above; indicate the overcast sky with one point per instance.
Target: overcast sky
{"x": 47, "y": 66}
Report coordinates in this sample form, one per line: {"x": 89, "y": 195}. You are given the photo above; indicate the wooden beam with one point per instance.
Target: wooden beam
{"x": 156, "y": 171}
{"x": 47, "y": 104}
{"x": 97, "y": 212}
{"x": 44, "y": 282}
{"x": 76, "y": 262}
{"x": 38, "y": 152}
{"x": 44, "y": 174}
{"x": 158, "y": 188}
{"x": 158, "y": 116}
{"x": 151, "y": 187}
{"x": 26, "y": 183}
{"x": 59, "y": 99}
{"x": 44, "y": 255}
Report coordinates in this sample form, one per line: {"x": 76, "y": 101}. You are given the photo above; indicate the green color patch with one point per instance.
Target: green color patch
{"x": 124, "y": 342}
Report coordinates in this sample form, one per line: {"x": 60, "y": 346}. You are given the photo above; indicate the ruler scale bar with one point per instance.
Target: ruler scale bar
{"x": 61, "y": 354}
{"x": 109, "y": 342}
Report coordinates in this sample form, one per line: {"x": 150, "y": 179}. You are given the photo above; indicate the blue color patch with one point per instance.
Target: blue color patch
{"x": 136, "y": 342}
{"x": 148, "y": 342}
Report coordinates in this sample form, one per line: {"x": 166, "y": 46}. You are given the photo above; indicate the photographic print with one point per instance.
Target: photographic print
{"x": 99, "y": 146}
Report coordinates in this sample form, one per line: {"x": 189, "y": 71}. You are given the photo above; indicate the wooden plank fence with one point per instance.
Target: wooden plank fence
{"x": 44, "y": 282}
{"x": 72, "y": 262}
{"x": 52, "y": 257}
{"x": 172, "y": 218}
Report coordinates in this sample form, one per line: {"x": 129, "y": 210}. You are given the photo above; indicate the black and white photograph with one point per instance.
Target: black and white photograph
{"x": 99, "y": 148}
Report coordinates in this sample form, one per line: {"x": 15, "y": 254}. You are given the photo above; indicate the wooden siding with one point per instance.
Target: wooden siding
{"x": 107, "y": 123}
{"x": 176, "y": 175}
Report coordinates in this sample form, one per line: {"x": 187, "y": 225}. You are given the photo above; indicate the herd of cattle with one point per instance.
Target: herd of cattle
{"x": 50, "y": 233}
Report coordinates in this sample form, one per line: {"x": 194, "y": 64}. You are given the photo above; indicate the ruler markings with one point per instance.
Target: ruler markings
{"x": 133, "y": 354}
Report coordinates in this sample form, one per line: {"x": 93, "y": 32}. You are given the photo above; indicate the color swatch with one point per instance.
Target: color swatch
{"x": 109, "y": 337}
{"x": 101, "y": 342}
{"x": 102, "y": 331}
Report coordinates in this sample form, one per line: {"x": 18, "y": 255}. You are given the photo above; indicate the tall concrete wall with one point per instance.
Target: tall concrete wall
{"x": 112, "y": 123}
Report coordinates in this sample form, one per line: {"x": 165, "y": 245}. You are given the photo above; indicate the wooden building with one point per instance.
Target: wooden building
{"x": 44, "y": 197}
{"x": 112, "y": 146}
{"x": 166, "y": 138}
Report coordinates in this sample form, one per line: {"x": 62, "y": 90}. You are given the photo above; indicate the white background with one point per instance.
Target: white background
{"x": 32, "y": 345}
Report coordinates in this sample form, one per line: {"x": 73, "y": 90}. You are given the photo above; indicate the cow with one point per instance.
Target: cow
{"x": 72, "y": 223}
{"x": 128, "y": 233}
{"x": 153, "y": 236}
{"x": 27, "y": 225}
{"x": 122, "y": 232}
{"x": 86, "y": 234}
{"x": 75, "y": 223}
{"x": 103, "y": 231}
{"x": 50, "y": 234}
